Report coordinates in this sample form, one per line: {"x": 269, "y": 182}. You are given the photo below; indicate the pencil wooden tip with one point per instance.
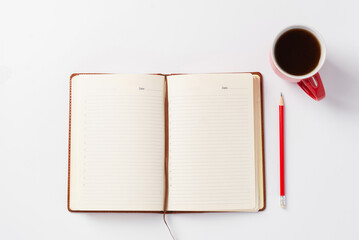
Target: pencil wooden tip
{"x": 281, "y": 102}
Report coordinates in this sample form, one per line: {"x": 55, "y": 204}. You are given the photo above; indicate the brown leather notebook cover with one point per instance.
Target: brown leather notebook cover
{"x": 166, "y": 151}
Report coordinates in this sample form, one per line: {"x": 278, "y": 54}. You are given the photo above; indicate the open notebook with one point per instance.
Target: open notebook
{"x": 174, "y": 143}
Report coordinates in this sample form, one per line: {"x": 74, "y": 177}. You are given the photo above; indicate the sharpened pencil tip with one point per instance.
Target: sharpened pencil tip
{"x": 281, "y": 103}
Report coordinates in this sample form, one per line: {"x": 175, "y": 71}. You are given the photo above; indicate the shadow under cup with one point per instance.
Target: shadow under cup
{"x": 297, "y": 55}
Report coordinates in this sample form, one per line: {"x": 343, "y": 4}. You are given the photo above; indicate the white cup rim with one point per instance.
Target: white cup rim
{"x": 322, "y": 54}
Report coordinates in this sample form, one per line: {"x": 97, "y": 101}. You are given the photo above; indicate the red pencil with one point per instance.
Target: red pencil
{"x": 283, "y": 199}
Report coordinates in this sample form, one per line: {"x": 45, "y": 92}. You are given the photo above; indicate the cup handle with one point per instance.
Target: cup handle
{"x": 313, "y": 86}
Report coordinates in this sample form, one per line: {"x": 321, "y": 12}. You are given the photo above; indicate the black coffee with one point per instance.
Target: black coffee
{"x": 297, "y": 52}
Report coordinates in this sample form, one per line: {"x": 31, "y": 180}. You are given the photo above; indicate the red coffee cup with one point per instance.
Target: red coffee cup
{"x": 309, "y": 81}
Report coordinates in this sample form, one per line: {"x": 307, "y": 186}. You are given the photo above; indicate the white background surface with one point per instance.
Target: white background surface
{"x": 43, "y": 42}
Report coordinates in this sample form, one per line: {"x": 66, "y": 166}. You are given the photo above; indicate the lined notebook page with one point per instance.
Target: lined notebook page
{"x": 117, "y": 142}
{"x": 211, "y": 143}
